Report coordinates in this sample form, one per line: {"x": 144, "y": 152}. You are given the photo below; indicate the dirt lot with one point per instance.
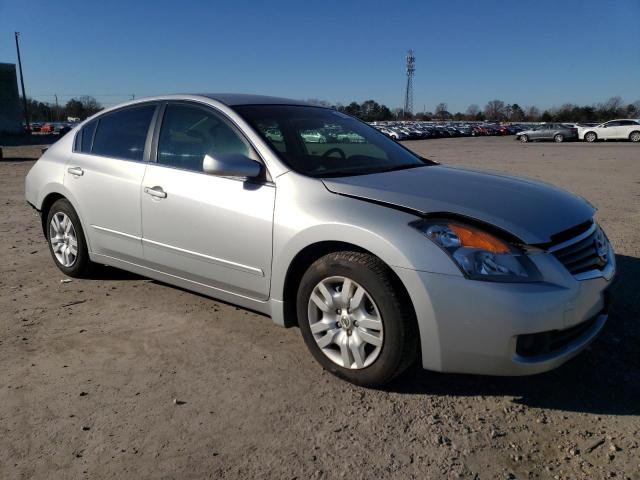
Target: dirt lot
{"x": 91, "y": 369}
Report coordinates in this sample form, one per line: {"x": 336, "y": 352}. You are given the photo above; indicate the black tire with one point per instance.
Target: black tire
{"x": 558, "y": 138}
{"x": 523, "y": 138}
{"x": 634, "y": 136}
{"x": 590, "y": 137}
{"x": 400, "y": 346}
{"x": 82, "y": 265}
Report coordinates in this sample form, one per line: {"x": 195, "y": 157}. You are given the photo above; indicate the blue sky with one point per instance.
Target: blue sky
{"x": 529, "y": 52}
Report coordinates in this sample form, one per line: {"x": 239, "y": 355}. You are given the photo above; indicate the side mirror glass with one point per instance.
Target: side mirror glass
{"x": 231, "y": 165}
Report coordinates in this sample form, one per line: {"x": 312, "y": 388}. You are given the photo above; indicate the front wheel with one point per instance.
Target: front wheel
{"x": 634, "y": 137}
{"x": 355, "y": 318}
{"x": 559, "y": 138}
{"x": 590, "y": 137}
{"x": 524, "y": 138}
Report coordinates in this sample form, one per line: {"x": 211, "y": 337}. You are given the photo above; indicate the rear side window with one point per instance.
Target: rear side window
{"x": 123, "y": 133}
{"x": 626, "y": 123}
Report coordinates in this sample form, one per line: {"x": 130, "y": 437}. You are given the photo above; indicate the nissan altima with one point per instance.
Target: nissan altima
{"x": 381, "y": 257}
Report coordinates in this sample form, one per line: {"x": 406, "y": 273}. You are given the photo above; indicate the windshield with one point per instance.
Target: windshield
{"x": 321, "y": 142}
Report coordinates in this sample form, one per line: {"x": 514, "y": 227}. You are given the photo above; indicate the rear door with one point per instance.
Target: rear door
{"x": 104, "y": 176}
{"x": 628, "y": 126}
{"x": 213, "y": 230}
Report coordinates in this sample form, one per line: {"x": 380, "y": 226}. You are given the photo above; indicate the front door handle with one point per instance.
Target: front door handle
{"x": 75, "y": 171}
{"x": 156, "y": 191}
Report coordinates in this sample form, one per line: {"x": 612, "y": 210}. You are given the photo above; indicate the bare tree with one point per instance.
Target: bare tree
{"x": 90, "y": 105}
{"x": 472, "y": 111}
{"x": 533, "y": 114}
{"x": 442, "y": 112}
{"x": 495, "y": 110}
{"x": 614, "y": 104}
{"x": 317, "y": 101}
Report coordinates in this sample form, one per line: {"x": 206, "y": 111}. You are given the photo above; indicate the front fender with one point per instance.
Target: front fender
{"x": 306, "y": 213}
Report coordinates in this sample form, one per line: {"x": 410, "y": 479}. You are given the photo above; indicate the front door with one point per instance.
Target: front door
{"x": 212, "y": 230}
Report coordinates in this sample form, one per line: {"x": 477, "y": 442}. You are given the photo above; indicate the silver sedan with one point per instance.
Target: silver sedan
{"x": 382, "y": 258}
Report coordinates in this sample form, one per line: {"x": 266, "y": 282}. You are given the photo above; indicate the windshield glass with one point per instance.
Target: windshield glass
{"x": 321, "y": 142}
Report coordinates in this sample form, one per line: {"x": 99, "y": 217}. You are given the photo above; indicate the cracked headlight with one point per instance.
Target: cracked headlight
{"x": 479, "y": 254}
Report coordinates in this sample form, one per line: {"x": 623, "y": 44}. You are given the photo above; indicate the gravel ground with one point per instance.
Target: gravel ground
{"x": 123, "y": 377}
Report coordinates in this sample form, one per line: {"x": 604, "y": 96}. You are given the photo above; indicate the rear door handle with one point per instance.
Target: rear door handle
{"x": 156, "y": 191}
{"x": 75, "y": 171}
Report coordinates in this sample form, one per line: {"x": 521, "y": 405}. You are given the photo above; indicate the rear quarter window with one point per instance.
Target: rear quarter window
{"x": 84, "y": 139}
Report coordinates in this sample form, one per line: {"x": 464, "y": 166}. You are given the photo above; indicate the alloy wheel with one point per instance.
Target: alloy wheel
{"x": 345, "y": 322}
{"x": 63, "y": 239}
{"x": 635, "y": 137}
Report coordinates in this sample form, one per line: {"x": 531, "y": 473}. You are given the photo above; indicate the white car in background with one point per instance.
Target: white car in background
{"x": 623, "y": 129}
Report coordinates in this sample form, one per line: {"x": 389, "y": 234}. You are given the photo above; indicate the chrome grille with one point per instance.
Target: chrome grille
{"x": 585, "y": 252}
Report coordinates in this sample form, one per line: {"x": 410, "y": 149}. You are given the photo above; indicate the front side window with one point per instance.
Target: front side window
{"x": 321, "y": 142}
{"x": 612, "y": 124}
{"x": 188, "y": 133}
{"x": 123, "y": 133}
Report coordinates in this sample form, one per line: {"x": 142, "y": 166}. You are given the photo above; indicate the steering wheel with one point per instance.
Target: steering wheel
{"x": 335, "y": 150}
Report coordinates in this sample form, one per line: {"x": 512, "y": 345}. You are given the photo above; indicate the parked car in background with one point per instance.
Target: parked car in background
{"x": 61, "y": 128}
{"x": 623, "y": 129}
{"x": 381, "y": 257}
{"x": 548, "y": 131}
{"x": 313, "y": 136}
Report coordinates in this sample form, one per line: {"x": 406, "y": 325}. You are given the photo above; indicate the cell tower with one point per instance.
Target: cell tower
{"x": 408, "y": 94}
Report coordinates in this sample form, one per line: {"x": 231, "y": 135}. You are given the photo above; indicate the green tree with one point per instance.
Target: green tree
{"x": 517, "y": 114}
{"x": 40, "y": 111}
{"x": 82, "y": 107}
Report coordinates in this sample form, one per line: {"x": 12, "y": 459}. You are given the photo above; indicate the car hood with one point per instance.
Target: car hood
{"x": 530, "y": 210}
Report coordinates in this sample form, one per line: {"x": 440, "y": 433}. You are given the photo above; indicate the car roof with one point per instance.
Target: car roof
{"x": 234, "y": 99}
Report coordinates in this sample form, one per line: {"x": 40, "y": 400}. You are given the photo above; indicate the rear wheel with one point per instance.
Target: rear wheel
{"x": 590, "y": 137}
{"x": 355, "y": 319}
{"x": 634, "y": 137}
{"x": 559, "y": 138}
{"x": 66, "y": 240}
{"x": 524, "y": 138}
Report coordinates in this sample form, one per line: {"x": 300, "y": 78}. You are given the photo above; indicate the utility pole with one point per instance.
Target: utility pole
{"x": 57, "y": 108}
{"x": 24, "y": 95}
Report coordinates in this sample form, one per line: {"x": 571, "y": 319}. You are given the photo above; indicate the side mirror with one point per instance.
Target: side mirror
{"x": 231, "y": 165}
